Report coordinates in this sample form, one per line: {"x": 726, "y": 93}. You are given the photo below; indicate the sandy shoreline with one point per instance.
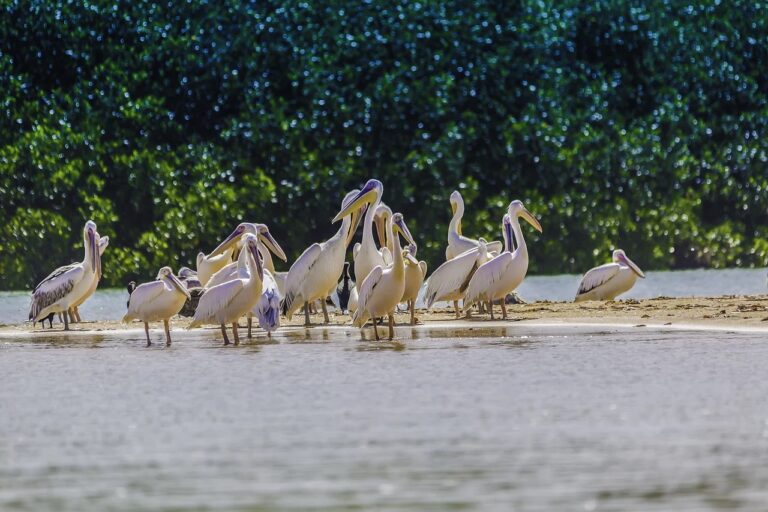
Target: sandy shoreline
{"x": 743, "y": 313}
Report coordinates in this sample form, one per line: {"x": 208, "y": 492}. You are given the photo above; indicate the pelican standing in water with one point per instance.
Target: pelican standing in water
{"x": 382, "y": 289}
{"x": 367, "y": 255}
{"x": 316, "y": 272}
{"x": 415, "y": 272}
{"x": 59, "y": 291}
{"x": 225, "y": 303}
{"x": 502, "y": 274}
{"x": 608, "y": 281}
{"x": 451, "y": 279}
{"x": 74, "y": 312}
{"x": 157, "y": 300}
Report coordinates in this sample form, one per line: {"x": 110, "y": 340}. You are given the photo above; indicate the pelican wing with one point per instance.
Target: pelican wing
{"x": 142, "y": 297}
{"x": 54, "y": 287}
{"x": 597, "y": 277}
{"x": 370, "y": 283}
{"x": 299, "y": 271}
{"x": 423, "y": 267}
{"x": 496, "y": 247}
{"x": 486, "y": 275}
{"x": 215, "y": 299}
{"x": 452, "y": 276}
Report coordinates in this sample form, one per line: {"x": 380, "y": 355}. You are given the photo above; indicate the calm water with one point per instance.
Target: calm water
{"x": 110, "y": 304}
{"x": 497, "y": 419}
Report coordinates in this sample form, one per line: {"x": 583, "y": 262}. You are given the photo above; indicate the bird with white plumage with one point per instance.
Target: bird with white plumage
{"x": 608, "y": 281}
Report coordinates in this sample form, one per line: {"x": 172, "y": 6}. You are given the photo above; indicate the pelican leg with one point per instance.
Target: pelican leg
{"x": 391, "y": 326}
{"x": 76, "y": 310}
{"x": 250, "y": 324}
{"x": 66, "y": 320}
{"x": 234, "y": 332}
{"x": 167, "y": 333}
{"x": 412, "y": 306}
{"x": 306, "y": 314}
{"x": 325, "y": 312}
{"x": 224, "y": 332}
{"x": 456, "y": 308}
{"x": 375, "y": 330}
{"x": 146, "y": 331}
{"x": 503, "y": 308}
{"x": 59, "y": 315}
{"x": 490, "y": 306}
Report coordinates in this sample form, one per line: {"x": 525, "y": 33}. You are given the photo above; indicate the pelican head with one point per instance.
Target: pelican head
{"x": 186, "y": 272}
{"x": 457, "y": 202}
{"x": 398, "y": 225}
{"x": 370, "y": 193}
{"x": 91, "y": 240}
{"x": 517, "y": 209}
{"x": 166, "y": 274}
{"x": 239, "y": 231}
{"x": 251, "y": 244}
{"x": 409, "y": 253}
{"x": 620, "y": 257}
{"x": 260, "y": 230}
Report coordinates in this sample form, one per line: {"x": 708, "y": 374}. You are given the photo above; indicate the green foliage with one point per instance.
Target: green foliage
{"x": 618, "y": 124}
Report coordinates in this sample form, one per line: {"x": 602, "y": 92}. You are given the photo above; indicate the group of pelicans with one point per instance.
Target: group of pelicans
{"x": 238, "y": 278}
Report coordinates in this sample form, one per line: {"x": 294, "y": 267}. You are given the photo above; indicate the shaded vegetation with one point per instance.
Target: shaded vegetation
{"x": 617, "y": 124}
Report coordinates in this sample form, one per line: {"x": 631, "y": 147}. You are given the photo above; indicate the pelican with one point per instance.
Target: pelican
{"x": 458, "y": 243}
{"x": 74, "y": 312}
{"x": 189, "y": 277}
{"x": 415, "y": 272}
{"x": 235, "y": 239}
{"x": 382, "y": 289}
{"x": 451, "y": 279}
{"x": 501, "y": 275}
{"x": 225, "y": 303}
{"x": 59, "y": 291}
{"x": 366, "y": 255}
{"x": 157, "y": 300}
{"x": 209, "y": 265}
{"x": 610, "y": 280}
{"x": 315, "y": 273}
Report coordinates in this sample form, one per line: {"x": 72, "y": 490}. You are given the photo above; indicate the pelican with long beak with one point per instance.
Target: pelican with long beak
{"x": 317, "y": 271}
{"x": 74, "y": 311}
{"x": 225, "y": 303}
{"x": 366, "y": 255}
{"x": 608, "y": 281}
{"x": 382, "y": 289}
{"x": 157, "y": 300}
{"x": 504, "y": 273}
{"x": 58, "y": 292}
{"x": 457, "y": 242}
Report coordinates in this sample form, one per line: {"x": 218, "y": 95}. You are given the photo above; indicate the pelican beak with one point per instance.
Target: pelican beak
{"x": 403, "y": 229}
{"x": 272, "y": 245}
{"x": 179, "y": 285}
{"x": 631, "y": 264}
{"x": 381, "y": 232}
{"x": 356, "y": 216}
{"x": 253, "y": 247}
{"x": 93, "y": 245}
{"x": 528, "y": 216}
{"x": 454, "y": 207}
{"x": 227, "y": 243}
{"x": 408, "y": 256}
{"x": 366, "y": 196}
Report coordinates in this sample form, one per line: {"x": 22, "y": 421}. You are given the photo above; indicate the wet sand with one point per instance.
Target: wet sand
{"x": 742, "y": 313}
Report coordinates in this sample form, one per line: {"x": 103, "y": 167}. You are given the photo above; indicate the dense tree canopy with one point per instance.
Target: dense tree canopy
{"x": 619, "y": 124}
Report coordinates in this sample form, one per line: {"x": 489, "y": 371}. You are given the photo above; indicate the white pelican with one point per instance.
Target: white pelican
{"x": 415, "y": 272}
{"x": 227, "y": 302}
{"x": 74, "y": 311}
{"x": 501, "y": 275}
{"x": 382, "y": 289}
{"x": 59, "y": 291}
{"x": 610, "y": 280}
{"x": 315, "y": 273}
{"x": 235, "y": 239}
{"x": 367, "y": 255}
{"x": 157, "y": 300}
{"x": 458, "y": 243}
{"x": 451, "y": 279}
{"x": 209, "y": 265}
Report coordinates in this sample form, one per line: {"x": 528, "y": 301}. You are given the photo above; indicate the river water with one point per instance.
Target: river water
{"x": 524, "y": 417}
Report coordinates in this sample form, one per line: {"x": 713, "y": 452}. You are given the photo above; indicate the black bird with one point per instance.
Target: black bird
{"x": 131, "y": 286}
{"x": 190, "y": 305}
{"x": 344, "y": 288}
{"x": 50, "y": 321}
